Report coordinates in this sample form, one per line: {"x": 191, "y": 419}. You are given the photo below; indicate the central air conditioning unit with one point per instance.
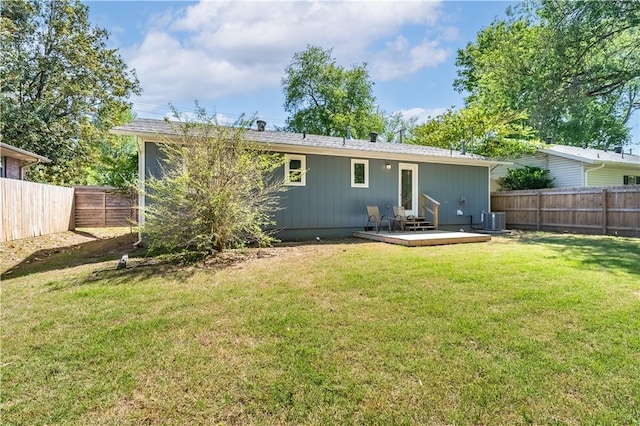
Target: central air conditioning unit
{"x": 493, "y": 221}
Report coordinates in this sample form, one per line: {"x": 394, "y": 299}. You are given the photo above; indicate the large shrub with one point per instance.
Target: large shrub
{"x": 217, "y": 190}
{"x": 525, "y": 178}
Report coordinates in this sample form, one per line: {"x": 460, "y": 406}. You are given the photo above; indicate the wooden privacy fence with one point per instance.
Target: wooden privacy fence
{"x": 611, "y": 210}
{"x": 99, "y": 206}
{"x": 33, "y": 209}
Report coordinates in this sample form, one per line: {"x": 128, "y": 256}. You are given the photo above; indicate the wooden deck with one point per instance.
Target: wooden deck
{"x": 428, "y": 238}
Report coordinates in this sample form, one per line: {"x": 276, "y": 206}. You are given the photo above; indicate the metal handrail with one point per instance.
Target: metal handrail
{"x": 424, "y": 199}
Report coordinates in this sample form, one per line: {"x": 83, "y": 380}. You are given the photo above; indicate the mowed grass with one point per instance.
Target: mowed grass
{"x": 527, "y": 329}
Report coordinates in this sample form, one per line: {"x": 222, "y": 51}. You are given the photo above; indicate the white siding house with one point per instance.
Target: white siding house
{"x": 571, "y": 166}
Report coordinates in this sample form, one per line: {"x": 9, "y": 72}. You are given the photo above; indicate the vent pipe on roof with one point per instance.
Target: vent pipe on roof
{"x": 261, "y": 125}
{"x": 548, "y": 140}
{"x": 373, "y": 136}
{"x": 617, "y": 149}
{"x": 584, "y": 145}
{"x": 463, "y": 148}
{"x": 348, "y": 132}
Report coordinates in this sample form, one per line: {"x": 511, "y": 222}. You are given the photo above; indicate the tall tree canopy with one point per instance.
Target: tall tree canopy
{"x": 573, "y": 67}
{"x": 324, "y": 98}
{"x": 483, "y": 132}
{"x": 57, "y": 79}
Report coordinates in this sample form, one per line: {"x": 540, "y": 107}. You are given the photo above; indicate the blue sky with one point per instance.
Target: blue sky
{"x": 231, "y": 55}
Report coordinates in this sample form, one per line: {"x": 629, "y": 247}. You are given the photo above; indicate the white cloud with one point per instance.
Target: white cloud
{"x": 399, "y": 58}
{"x": 215, "y": 48}
{"x": 422, "y": 115}
{"x": 193, "y": 116}
{"x": 168, "y": 70}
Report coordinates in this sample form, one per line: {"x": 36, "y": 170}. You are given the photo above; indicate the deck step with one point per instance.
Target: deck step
{"x": 418, "y": 224}
{"x": 420, "y": 228}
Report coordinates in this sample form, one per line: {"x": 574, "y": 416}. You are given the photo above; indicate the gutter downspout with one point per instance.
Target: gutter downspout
{"x": 491, "y": 169}
{"x": 586, "y": 173}
{"x": 141, "y": 189}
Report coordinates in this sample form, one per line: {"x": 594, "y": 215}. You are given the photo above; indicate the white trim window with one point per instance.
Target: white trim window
{"x": 295, "y": 167}
{"x": 359, "y": 173}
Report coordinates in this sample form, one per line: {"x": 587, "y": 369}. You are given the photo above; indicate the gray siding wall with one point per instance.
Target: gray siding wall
{"x": 328, "y": 206}
{"x": 153, "y": 157}
{"x": 328, "y": 201}
{"x": 449, "y": 183}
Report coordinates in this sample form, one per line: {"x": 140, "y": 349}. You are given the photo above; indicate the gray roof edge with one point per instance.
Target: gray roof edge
{"x": 611, "y": 158}
{"x": 157, "y": 129}
{"x": 23, "y": 153}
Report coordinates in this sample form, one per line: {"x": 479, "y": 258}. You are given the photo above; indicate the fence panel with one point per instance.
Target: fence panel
{"x": 610, "y": 210}
{"x": 98, "y": 207}
{"x": 32, "y": 209}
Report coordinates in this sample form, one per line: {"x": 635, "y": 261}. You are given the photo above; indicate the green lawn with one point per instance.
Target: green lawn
{"x": 528, "y": 329}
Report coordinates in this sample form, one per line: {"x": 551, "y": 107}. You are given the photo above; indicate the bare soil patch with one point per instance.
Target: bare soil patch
{"x": 91, "y": 243}
{"x": 13, "y": 253}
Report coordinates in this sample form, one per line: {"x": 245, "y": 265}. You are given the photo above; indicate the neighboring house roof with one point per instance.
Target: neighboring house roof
{"x": 299, "y": 143}
{"x": 590, "y": 156}
{"x": 15, "y": 152}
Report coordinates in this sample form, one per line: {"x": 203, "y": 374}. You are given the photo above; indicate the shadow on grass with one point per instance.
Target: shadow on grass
{"x": 85, "y": 234}
{"x": 592, "y": 251}
{"x": 174, "y": 267}
{"x": 58, "y": 258}
{"x": 141, "y": 264}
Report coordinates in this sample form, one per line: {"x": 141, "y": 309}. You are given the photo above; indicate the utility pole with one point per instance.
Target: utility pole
{"x": 401, "y": 131}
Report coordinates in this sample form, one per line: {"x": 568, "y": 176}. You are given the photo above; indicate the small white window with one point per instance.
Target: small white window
{"x": 295, "y": 167}
{"x": 359, "y": 173}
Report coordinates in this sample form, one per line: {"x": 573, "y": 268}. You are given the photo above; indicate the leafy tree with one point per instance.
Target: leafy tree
{"x": 116, "y": 162}
{"x": 397, "y": 128}
{"x": 57, "y": 77}
{"x": 573, "y": 67}
{"x": 484, "y": 133}
{"x": 117, "y": 165}
{"x": 217, "y": 189}
{"x": 324, "y": 98}
{"x": 525, "y": 178}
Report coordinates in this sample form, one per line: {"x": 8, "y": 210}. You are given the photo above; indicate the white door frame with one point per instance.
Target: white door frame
{"x": 414, "y": 187}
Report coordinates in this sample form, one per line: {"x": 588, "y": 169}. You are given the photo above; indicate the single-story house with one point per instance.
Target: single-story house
{"x": 343, "y": 176}
{"x": 572, "y": 166}
{"x": 14, "y": 161}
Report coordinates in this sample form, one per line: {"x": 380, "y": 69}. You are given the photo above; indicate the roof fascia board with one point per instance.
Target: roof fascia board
{"x": 569, "y": 156}
{"x": 22, "y": 154}
{"x": 378, "y": 155}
